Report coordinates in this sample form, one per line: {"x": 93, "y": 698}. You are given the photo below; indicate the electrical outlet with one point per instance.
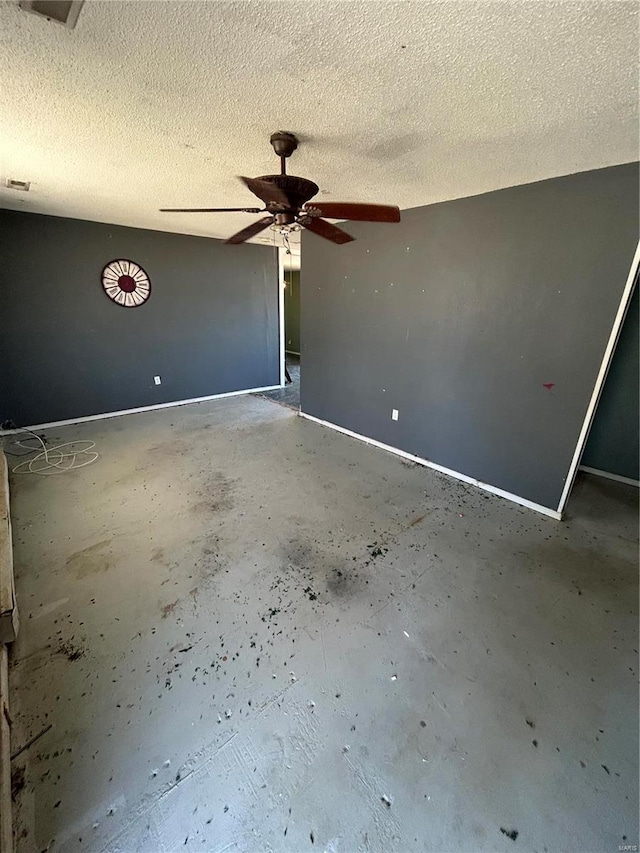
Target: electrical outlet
{"x": 394, "y": 414}
{"x": 157, "y": 380}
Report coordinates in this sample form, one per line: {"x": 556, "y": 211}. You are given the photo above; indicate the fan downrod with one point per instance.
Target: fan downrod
{"x": 284, "y": 144}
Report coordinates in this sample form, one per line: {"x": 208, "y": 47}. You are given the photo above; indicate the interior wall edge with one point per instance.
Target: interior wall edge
{"x": 524, "y": 184}
{"x": 281, "y": 329}
{"x": 138, "y": 410}
{"x": 110, "y": 223}
{"x": 607, "y": 358}
{"x": 419, "y": 460}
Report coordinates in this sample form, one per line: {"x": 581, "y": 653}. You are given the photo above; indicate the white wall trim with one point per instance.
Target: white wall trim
{"x": 139, "y": 409}
{"x": 617, "y": 477}
{"x": 552, "y": 513}
{"x": 600, "y": 379}
{"x": 281, "y": 286}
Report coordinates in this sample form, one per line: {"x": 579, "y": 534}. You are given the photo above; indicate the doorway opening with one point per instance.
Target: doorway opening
{"x": 608, "y": 444}
{"x": 292, "y": 331}
{"x": 289, "y": 393}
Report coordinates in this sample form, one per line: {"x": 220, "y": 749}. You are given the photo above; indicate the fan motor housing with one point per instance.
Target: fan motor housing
{"x": 297, "y": 190}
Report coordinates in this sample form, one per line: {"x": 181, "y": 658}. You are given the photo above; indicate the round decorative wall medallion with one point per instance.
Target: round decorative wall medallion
{"x": 126, "y": 283}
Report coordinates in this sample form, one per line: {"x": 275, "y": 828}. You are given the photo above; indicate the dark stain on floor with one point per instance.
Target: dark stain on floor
{"x": 169, "y": 608}
{"x": 70, "y": 651}
{"x": 90, "y": 560}
{"x": 216, "y": 495}
{"x": 17, "y": 781}
{"x": 510, "y": 833}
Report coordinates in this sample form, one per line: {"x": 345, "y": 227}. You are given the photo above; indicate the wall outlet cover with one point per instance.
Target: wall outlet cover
{"x": 157, "y": 380}
{"x": 394, "y": 414}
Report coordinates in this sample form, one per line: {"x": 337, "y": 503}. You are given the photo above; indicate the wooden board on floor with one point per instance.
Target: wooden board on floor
{"x": 8, "y": 606}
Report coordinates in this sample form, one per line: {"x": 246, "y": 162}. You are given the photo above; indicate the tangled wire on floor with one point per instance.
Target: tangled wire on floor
{"x": 53, "y": 460}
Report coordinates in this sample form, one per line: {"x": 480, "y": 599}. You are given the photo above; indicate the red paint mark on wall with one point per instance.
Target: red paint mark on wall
{"x": 548, "y": 385}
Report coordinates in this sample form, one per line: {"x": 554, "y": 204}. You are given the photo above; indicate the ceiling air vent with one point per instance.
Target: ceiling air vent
{"x": 23, "y": 186}
{"x": 63, "y": 12}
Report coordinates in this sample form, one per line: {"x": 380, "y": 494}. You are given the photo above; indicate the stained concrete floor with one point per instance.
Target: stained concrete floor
{"x": 250, "y": 633}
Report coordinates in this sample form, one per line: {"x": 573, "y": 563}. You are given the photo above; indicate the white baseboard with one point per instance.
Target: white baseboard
{"x": 617, "y": 477}
{"x": 139, "y": 409}
{"x": 552, "y": 513}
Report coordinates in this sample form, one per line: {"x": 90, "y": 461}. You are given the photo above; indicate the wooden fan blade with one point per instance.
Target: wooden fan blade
{"x": 326, "y": 229}
{"x": 266, "y": 191}
{"x": 211, "y": 210}
{"x": 251, "y": 230}
{"x": 356, "y": 212}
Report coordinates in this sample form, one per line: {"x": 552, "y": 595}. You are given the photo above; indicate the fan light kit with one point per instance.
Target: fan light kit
{"x": 285, "y": 198}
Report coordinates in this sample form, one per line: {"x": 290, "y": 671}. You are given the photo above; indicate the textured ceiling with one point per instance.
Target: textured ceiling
{"x": 153, "y": 104}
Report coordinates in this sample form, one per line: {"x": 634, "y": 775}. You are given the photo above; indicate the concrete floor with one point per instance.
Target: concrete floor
{"x": 250, "y": 633}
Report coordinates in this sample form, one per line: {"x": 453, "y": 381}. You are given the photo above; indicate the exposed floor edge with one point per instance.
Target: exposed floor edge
{"x": 283, "y": 403}
{"x": 494, "y": 490}
{"x": 140, "y": 409}
{"x": 6, "y": 831}
{"x": 617, "y": 477}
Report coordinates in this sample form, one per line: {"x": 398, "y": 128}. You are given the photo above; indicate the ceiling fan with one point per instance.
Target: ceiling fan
{"x": 285, "y": 198}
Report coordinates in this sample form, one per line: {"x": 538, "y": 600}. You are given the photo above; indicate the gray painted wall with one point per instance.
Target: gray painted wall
{"x": 614, "y": 440}
{"x": 459, "y": 315}
{"x": 209, "y": 326}
{"x": 292, "y": 311}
